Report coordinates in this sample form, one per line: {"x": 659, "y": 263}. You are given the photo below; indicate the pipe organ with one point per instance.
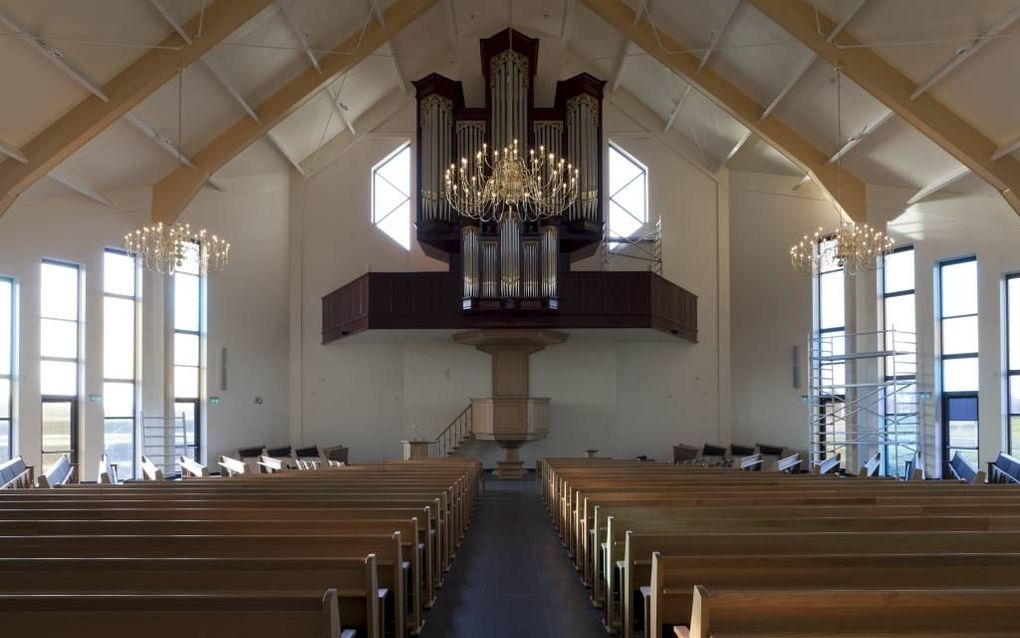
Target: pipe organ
{"x": 509, "y": 265}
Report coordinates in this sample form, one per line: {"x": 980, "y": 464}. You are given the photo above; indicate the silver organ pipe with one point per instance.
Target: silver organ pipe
{"x": 490, "y": 270}
{"x": 510, "y": 258}
{"x": 470, "y": 137}
{"x": 436, "y": 154}
{"x": 550, "y": 135}
{"x": 469, "y": 261}
{"x": 509, "y": 83}
{"x": 531, "y": 266}
{"x": 550, "y": 240}
{"x": 584, "y": 150}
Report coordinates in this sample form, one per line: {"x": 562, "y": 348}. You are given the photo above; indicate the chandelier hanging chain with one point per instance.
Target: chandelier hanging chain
{"x": 852, "y": 247}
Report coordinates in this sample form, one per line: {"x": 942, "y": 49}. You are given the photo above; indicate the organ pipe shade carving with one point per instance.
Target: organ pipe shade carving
{"x": 490, "y": 270}
{"x": 550, "y": 251}
{"x": 436, "y": 153}
{"x": 508, "y": 84}
{"x": 469, "y": 256}
{"x": 584, "y": 149}
{"x": 510, "y": 258}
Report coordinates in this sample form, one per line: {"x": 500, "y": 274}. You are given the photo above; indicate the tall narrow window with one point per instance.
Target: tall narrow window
{"x": 6, "y": 367}
{"x": 958, "y": 323}
{"x": 188, "y": 313}
{"x": 900, "y": 411}
{"x": 391, "y": 196}
{"x": 830, "y": 369}
{"x": 628, "y": 194}
{"x": 120, "y": 296}
{"x": 1013, "y": 362}
{"x": 60, "y": 349}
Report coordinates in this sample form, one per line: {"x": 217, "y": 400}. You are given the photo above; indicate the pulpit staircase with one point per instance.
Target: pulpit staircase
{"x": 450, "y": 440}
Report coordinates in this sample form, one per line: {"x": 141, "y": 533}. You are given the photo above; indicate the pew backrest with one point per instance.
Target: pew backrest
{"x": 269, "y": 465}
{"x": 789, "y": 464}
{"x": 752, "y": 463}
{"x": 15, "y": 473}
{"x": 60, "y": 473}
{"x": 828, "y": 466}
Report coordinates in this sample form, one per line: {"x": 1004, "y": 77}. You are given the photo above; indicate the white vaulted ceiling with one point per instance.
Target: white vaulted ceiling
{"x": 98, "y": 39}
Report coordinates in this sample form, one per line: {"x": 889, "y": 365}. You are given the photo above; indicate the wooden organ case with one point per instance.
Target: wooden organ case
{"x": 509, "y": 265}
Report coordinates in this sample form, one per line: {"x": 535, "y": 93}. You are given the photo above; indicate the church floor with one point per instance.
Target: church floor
{"x": 511, "y": 576}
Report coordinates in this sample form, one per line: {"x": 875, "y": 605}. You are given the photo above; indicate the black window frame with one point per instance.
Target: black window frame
{"x": 1010, "y": 373}
{"x": 891, "y": 469}
{"x": 8, "y": 418}
{"x": 135, "y": 298}
{"x": 828, "y": 400}
{"x": 75, "y": 399}
{"x": 947, "y": 447}
{"x": 197, "y": 333}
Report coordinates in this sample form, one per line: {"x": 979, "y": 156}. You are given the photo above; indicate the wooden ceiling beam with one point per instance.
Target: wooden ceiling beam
{"x": 892, "y": 88}
{"x": 173, "y": 193}
{"x": 848, "y": 193}
{"x": 125, "y": 91}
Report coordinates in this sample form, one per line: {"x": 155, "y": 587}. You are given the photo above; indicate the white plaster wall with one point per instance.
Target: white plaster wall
{"x": 771, "y": 305}
{"x": 247, "y": 308}
{"x": 622, "y": 397}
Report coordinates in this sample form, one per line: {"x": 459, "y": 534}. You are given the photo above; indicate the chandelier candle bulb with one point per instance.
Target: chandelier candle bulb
{"x": 163, "y": 249}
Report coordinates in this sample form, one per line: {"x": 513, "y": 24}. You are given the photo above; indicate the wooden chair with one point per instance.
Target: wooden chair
{"x": 107, "y": 472}
{"x": 872, "y": 466}
{"x": 16, "y": 474}
{"x": 149, "y": 470}
{"x": 60, "y": 473}
{"x": 1005, "y": 469}
{"x": 827, "y": 466}
{"x": 961, "y": 469}
{"x": 190, "y": 468}
{"x": 232, "y": 467}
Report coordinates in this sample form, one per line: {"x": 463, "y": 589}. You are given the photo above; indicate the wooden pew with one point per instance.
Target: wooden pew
{"x": 670, "y": 595}
{"x": 387, "y": 549}
{"x": 295, "y": 615}
{"x": 641, "y": 547}
{"x": 1004, "y": 469}
{"x": 961, "y": 612}
{"x": 407, "y": 529}
{"x": 354, "y": 579}
{"x": 232, "y": 467}
{"x": 61, "y": 472}
{"x": 16, "y": 474}
{"x": 872, "y": 466}
{"x": 827, "y": 466}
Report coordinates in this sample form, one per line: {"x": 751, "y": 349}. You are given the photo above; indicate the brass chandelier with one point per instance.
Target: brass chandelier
{"x": 505, "y": 185}
{"x": 165, "y": 248}
{"x": 852, "y": 246}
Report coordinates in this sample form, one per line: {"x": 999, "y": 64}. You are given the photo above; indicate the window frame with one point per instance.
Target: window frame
{"x": 893, "y": 469}
{"x": 947, "y": 448}
{"x": 377, "y": 220}
{"x": 73, "y": 399}
{"x": 829, "y": 402}
{"x": 135, "y": 298}
{"x": 8, "y": 418}
{"x": 199, "y": 334}
{"x": 613, "y": 237}
{"x": 1010, "y": 373}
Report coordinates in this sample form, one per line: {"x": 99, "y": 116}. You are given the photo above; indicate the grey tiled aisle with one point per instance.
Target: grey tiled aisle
{"x": 512, "y": 577}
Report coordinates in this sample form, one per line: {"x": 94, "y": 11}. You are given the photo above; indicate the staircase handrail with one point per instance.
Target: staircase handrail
{"x": 453, "y": 433}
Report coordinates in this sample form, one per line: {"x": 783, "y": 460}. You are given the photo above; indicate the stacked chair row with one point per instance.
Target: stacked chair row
{"x": 312, "y": 553}
{"x": 700, "y": 551}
